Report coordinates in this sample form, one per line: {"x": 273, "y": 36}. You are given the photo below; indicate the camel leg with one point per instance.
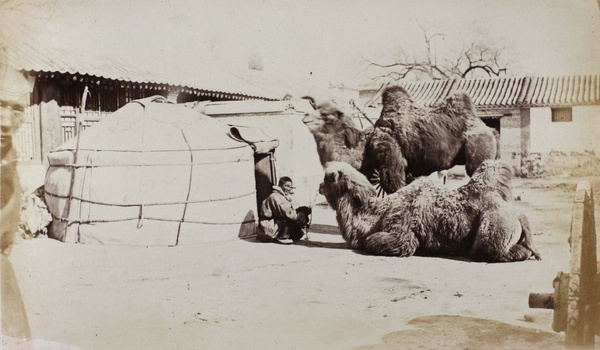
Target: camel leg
{"x": 499, "y": 239}
{"x": 517, "y": 252}
{"x": 385, "y": 154}
{"x": 391, "y": 244}
{"x": 526, "y": 238}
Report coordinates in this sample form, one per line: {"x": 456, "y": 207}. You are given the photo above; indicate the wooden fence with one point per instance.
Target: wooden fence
{"x": 27, "y": 138}
{"x": 68, "y": 117}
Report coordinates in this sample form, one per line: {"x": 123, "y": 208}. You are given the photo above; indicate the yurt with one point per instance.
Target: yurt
{"x": 152, "y": 173}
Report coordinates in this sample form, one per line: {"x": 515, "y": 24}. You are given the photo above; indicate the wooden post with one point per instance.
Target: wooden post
{"x": 583, "y": 295}
{"x": 525, "y": 133}
{"x": 74, "y": 171}
{"x": 80, "y": 117}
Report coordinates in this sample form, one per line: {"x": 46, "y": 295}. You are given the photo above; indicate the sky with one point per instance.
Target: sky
{"x": 327, "y": 40}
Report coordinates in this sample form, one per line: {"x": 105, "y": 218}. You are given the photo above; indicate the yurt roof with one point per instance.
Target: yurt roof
{"x": 145, "y": 125}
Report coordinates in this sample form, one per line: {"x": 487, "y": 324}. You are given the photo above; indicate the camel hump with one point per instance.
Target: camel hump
{"x": 461, "y": 103}
{"x": 494, "y": 175}
{"x": 395, "y": 93}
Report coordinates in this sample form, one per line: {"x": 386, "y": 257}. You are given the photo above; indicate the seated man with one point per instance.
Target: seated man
{"x": 279, "y": 221}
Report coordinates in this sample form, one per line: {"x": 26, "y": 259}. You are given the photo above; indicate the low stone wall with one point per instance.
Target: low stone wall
{"x": 560, "y": 164}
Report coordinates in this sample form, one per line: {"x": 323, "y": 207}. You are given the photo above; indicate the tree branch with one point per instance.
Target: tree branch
{"x": 476, "y": 56}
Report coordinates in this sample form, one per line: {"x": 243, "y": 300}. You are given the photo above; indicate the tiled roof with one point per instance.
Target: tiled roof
{"x": 511, "y": 91}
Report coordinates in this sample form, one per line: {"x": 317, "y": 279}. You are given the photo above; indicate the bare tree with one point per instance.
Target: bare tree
{"x": 475, "y": 58}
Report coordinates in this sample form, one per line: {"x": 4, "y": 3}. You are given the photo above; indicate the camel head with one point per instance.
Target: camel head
{"x": 329, "y": 121}
{"x": 342, "y": 181}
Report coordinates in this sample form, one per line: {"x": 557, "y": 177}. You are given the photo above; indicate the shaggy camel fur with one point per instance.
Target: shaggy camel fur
{"x": 407, "y": 140}
{"x": 477, "y": 220}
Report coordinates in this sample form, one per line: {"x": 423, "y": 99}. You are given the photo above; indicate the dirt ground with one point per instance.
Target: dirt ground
{"x": 313, "y": 295}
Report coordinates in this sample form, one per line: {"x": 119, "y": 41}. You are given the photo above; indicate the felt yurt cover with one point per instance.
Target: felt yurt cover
{"x": 152, "y": 173}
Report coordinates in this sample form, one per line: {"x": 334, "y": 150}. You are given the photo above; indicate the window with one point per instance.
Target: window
{"x": 562, "y": 114}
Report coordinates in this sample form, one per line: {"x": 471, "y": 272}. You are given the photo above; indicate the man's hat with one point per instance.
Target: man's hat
{"x": 15, "y": 86}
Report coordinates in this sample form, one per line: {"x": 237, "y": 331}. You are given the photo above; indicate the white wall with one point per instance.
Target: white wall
{"x": 344, "y": 94}
{"x": 582, "y": 134}
{"x": 510, "y": 141}
{"x": 296, "y": 156}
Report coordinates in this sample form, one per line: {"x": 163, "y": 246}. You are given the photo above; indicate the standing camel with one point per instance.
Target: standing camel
{"x": 407, "y": 141}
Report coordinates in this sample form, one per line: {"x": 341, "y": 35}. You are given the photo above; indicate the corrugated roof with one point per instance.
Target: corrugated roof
{"x": 54, "y": 60}
{"x": 38, "y": 56}
{"x": 512, "y": 91}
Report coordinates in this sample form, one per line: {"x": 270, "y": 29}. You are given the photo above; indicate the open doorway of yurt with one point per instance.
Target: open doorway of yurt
{"x": 265, "y": 175}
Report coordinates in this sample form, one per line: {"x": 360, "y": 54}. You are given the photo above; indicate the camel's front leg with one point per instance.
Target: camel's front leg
{"x": 384, "y": 154}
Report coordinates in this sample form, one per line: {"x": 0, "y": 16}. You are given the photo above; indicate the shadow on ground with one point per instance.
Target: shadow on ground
{"x": 325, "y": 229}
{"x": 460, "y": 332}
{"x": 312, "y": 243}
{"x": 319, "y": 236}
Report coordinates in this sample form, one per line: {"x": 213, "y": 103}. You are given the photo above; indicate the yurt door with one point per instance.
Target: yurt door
{"x": 264, "y": 174}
